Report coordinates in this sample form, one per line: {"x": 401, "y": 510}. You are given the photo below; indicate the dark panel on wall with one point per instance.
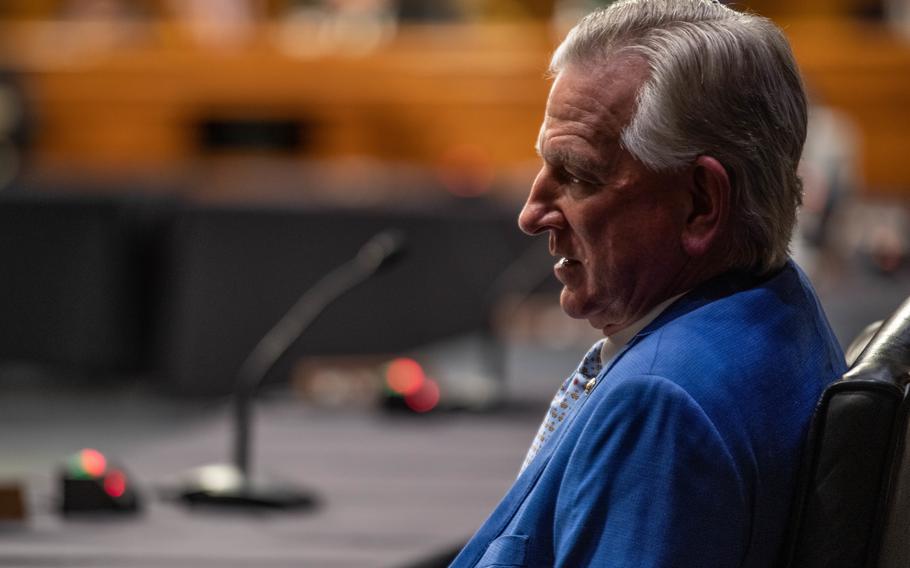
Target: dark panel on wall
{"x": 235, "y": 271}
{"x": 78, "y": 280}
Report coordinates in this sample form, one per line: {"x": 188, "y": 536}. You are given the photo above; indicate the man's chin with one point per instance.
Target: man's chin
{"x": 572, "y": 305}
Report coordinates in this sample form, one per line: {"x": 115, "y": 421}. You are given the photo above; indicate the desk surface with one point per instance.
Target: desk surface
{"x": 395, "y": 489}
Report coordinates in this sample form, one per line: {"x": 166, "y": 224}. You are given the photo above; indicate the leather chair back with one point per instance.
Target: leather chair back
{"x": 852, "y": 507}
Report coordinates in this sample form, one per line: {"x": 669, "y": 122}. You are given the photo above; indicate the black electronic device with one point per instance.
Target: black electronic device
{"x": 91, "y": 484}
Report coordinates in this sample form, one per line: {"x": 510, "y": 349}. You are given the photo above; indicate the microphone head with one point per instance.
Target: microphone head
{"x": 382, "y": 250}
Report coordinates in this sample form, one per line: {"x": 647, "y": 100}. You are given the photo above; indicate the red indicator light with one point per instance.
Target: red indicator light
{"x": 93, "y": 462}
{"x": 115, "y": 483}
{"x": 425, "y": 399}
{"x": 404, "y": 376}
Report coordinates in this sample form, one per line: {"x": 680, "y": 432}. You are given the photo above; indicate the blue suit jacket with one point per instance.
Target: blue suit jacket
{"x": 686, "y": 452}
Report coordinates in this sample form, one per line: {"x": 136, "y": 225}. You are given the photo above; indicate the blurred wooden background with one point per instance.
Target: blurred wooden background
{"x": 139, "y": 97}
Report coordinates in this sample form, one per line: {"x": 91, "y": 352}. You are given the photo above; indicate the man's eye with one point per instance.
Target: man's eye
{"x": 571, "y": 179}
{"x": 578, "y": 185}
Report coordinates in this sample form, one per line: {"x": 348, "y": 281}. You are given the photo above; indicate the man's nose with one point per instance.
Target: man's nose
{"x": 540, "y": 213}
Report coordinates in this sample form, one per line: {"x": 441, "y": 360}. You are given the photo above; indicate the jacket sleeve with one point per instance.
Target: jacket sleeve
{"x": 650, "y": 484}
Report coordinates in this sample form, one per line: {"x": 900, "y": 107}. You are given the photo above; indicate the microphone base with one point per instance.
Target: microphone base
{"x": 225, "y": 485}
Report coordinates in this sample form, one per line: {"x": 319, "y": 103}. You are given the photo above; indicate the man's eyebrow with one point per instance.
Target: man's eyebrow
{"x": 569, "y": 160}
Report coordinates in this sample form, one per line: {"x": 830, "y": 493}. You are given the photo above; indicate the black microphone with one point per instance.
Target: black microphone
{"x": 381, "y": 251}
{"x": 232, "y": 484}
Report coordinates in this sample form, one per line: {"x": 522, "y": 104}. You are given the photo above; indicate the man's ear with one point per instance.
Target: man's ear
{"x": 710, "y": 215}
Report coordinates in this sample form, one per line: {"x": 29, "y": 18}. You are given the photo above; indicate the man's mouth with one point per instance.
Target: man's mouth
{"x": 566, "y": 262}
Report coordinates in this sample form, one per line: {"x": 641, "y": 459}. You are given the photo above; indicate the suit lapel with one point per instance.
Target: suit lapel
{"x": 508, "y": 507}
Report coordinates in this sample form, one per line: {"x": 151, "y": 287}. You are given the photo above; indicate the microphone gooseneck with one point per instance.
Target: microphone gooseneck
{"x": 380, "y": 252}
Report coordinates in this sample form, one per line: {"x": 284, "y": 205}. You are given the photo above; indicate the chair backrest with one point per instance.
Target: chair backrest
{"x": 852, "y": 507}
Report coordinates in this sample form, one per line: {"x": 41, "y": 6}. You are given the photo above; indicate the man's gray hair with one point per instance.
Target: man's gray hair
{"x": 722, "y": 84}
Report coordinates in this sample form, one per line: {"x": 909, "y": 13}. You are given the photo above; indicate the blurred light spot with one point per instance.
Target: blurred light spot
{"x": 404, "y": 376}
{"x": 115, "y": 483}
{"x": 218, "y": 477}
{"x": 425, "y": 399}
{"x": 92, "y": 462}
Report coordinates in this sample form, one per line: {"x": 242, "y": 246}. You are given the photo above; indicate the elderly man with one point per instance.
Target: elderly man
{"x": 669, "y": 192}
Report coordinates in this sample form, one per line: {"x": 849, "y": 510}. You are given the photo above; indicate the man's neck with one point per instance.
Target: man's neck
{"x": 618, "y": 339}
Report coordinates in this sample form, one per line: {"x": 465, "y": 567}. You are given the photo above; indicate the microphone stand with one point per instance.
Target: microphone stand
{"x": 233, "y": 484}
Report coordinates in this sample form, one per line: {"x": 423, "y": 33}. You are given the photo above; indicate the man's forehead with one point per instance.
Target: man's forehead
{"x": 602, "y": 93}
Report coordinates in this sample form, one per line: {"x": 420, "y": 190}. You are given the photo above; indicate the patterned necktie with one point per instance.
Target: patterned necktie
{"x": 577, "y": 385}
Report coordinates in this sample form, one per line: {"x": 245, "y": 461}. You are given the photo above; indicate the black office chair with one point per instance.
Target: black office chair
{"x": 852, "y": 507}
